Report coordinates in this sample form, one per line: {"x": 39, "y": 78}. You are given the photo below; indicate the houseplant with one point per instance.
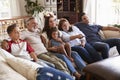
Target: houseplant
{"x": 33, "y": 6}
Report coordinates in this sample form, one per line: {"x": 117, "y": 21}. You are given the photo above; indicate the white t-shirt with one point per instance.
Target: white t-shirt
{"x": 35, "y": 41}
{"x": 76, "y": 31}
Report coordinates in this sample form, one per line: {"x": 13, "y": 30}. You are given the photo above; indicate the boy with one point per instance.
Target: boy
{"x": 18, "y": 47}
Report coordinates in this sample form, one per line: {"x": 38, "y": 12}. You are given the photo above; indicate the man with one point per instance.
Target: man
{"x": 93, "y": 37}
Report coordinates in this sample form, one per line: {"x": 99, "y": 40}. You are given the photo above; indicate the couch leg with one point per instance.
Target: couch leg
{"x": 88, "y": 76}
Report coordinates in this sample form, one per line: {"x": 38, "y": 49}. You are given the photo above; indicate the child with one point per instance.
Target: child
{"x": 18, "y": 47}
{"x": 56, "y": 41}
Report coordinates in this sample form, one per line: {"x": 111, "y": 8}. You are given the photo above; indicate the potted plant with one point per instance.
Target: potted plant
{"x": 33, "y": 6}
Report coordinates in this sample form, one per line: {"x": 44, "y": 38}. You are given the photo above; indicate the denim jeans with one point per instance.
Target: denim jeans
{"x": 48, "y": 73}
{"x": 77, "y": 59}
{"x": 88, "y": 53}
{"x": 105, "y": 45}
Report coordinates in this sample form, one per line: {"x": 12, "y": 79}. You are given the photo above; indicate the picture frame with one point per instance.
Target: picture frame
{"x": 47, "y": 2}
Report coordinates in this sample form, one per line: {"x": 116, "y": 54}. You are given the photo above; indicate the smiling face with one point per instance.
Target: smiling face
{"x": 85, "y": 19}
{"x": 15, "y": 34}
{"x": 65, "y": 26}
{"x": 32, "y": 25}
{"x": 54, "y": 34}
{"x": 52, "y": 22}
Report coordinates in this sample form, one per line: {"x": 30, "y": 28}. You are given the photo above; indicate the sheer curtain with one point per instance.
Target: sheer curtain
{"x": 12, "y": 8}
{"x": 15, "y": 8}
{"x": 5, "y": 9}
{"x": 89, "y": 9}
{"x": 102, "y": 12}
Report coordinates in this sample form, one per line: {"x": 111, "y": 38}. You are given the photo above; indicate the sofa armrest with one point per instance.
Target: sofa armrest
{"x": 110, "y": 34}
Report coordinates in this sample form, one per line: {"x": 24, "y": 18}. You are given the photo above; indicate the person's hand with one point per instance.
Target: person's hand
{"x": 71, "y": 59}
{"x": 80, "y": 36}
{"x": 36, "y": 59}
{"x": 83, "y": 43}
{"x": 5, "y": 45}
{"x": 55, "y": 48}
{"x": 59, "y": 40}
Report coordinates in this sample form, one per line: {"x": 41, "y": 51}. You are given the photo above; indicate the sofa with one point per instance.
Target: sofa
{"x": 7, "y": 73}
{"x": 110, "y": 34}
{"x": 13, "y": 68}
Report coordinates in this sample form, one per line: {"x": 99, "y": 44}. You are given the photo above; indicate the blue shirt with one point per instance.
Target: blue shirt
{"x": 91, "y": 31}
{"x": 55, "y": 43}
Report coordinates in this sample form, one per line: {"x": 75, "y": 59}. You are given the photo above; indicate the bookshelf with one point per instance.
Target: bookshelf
{"x": 69, "y": 9}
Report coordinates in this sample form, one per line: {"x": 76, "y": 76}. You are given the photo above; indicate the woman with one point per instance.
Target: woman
{"x": 49, "y": 23}
{"x": 77, "y": 41}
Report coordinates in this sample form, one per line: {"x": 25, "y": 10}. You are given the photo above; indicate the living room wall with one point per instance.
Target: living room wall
{"x": 22, "y": 8}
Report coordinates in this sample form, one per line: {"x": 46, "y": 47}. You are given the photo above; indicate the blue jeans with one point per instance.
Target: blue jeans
{"x": 105, "y": 45}
{"x": 77, "y": 59}
{"x": 88, "y": 53}
{"x": 48, "y": 73}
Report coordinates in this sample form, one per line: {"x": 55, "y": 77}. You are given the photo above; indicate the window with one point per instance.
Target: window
{"x": 103, "y": 12}
{"x": 5, "y": 9}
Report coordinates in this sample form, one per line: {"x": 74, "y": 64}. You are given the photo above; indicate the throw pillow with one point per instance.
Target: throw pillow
{"x": 7, "y": 73}
{"x": 5, "y": 54}
{"x": 25, "y": 67}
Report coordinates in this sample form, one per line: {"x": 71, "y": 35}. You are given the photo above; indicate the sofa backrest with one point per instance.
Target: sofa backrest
{"x": 109, "y": 34}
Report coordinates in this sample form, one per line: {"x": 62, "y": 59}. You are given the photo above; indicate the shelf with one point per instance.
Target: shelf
{"x": 69, "y": 9}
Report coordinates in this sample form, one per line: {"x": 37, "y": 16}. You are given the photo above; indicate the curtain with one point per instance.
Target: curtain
{"x": 100, "y": 12}
{"x": 15, "y": 8}
{"x": 5, "y": 9}
{"x": 89, "y": 8}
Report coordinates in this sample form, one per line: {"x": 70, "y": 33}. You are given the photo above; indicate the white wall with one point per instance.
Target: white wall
{"x": 22, "y": 8}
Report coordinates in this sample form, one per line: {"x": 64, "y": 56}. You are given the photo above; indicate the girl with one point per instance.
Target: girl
{"x": 56, "y": 41}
